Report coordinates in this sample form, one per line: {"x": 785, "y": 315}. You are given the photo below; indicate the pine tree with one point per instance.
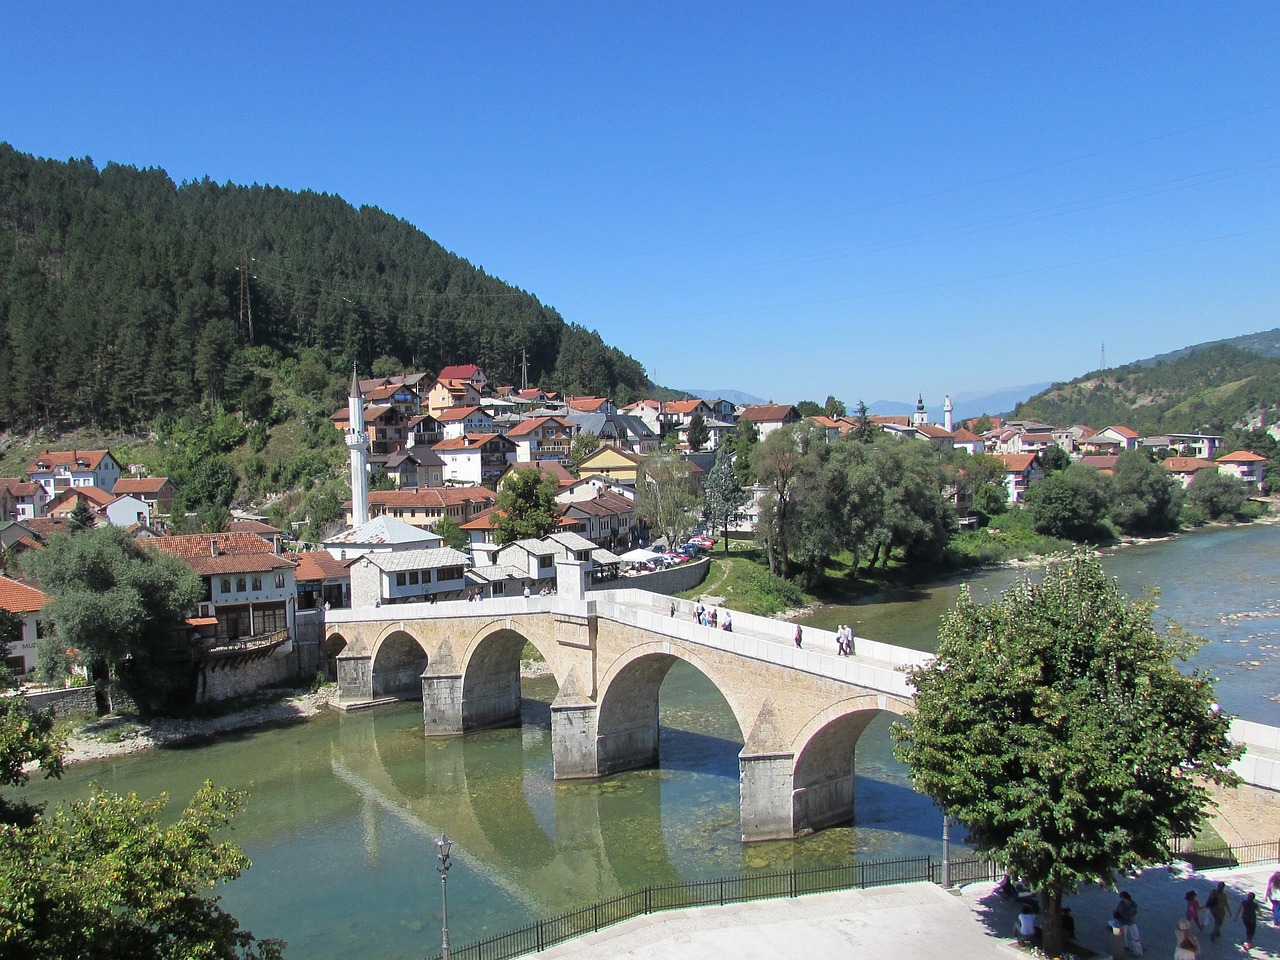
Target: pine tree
{"x": 723, "y": 496}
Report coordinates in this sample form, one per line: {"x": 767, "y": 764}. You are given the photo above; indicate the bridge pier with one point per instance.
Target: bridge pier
{"x": 355, "y": 677}
{"x": 574, "y": 744}
{"x": 442, "y": 704}
{"x": 767, "y": 803}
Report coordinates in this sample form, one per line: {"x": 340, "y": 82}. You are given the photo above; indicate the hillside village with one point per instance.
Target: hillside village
{"x": 443, "y": 447}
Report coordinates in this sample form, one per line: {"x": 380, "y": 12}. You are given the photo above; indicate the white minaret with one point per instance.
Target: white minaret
{"x": 946, "y": 414}
{"x": 358, "y": 445}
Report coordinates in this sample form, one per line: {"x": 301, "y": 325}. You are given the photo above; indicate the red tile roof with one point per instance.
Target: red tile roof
{"x": 202, "y": 545}
{"x": 1103, "y": 463}
{"x": 92, "y": 495}
{"x": 1242, "y": 456}
{"x": 19, "y": 487}
{"x": 533, "y": 423}
{"x": 966, "y": 436}
{"x": 1018, "y": 462}
{"x": 321, "y": 565}
{"x": 256, "y": 527}
{"x": 67, "y": 458}
{"x": 460, "y": 371}
{"x": 768, "y": 412}
{"x": 1185, "y": 464}
{"x": 1124, "y": 432}
{"x": 135, "y": 485}
{"x": 587, "y": 404}
{"x": 430, "y": 497}
{"x": 450, "y": 414}
{"x": 17, "y": 597}
{"x": 683, "y": 406}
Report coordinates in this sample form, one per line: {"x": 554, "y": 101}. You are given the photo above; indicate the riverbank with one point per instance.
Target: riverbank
{"x": 117, "y": 736}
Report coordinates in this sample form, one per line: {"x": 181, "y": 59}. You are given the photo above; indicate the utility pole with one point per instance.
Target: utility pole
{"x": 1102, "y": 360}
{"x": 246, "y": 301}
{"x": 524, "y": 369}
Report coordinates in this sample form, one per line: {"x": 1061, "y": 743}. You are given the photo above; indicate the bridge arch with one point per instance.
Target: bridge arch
{"x": 825, "y": 752}
{"x": 627, "y": 716}
{"x": 491, "y": 674}
{"x": 333, "y": 645}
{"x": 397, "y": 662}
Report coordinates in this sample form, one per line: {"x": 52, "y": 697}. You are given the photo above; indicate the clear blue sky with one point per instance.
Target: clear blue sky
{"x": 866, "y": 199}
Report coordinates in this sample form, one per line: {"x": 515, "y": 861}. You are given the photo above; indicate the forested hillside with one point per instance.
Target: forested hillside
{"x": 124, "y": 296}
{"x": 1214, "y": 389}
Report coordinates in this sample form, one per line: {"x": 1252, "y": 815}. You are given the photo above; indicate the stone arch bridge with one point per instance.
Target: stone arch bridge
{"x": 800, "y": 710}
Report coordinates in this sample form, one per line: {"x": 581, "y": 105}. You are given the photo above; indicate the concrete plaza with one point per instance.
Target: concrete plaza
{"x": 920, "y": 920}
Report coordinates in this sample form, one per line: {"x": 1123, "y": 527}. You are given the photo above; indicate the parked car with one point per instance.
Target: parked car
{"x": 671, "y": 559}
{"x": 705, "y": 542}
{"x": 691, "y": 550}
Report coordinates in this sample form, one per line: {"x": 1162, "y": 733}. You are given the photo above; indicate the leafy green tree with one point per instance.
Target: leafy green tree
{"x": 453, "y": 535}
{"x": 984, "y": 475}
{"x": 119, "y": 605}
{"x": 775, "y": 461}
{"x": 1144, "y": 497}
{"x": 722, "y": 496}
{"x": 982, "y": 425}
{"x": 1055, "y": 726}
{"x": 834, "y": 408}
{"x": 583, "y": 446}
{"x": 107, "y": 878}
{"x": 1070, "y": 505}
{"x": 526, "y": 507}
{"x": 1055, "y": 459}
{"x": 666, "y": 495}
{"x": 1218, "y": 495}
{"x": 379, "y": 479}
{"x": 808, "y": 408}
{"x": 698, "y": 434}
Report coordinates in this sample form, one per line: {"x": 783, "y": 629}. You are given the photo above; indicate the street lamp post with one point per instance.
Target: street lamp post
{"x": 443, "y": 845}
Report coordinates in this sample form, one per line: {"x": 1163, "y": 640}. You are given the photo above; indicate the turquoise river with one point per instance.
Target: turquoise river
{"x": 344, "y": 807}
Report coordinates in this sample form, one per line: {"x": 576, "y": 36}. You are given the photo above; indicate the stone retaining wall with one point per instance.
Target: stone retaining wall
{"x": 672, "y": 580}
{"x": 73, "y": 701}
{"x": 220, "y": 681}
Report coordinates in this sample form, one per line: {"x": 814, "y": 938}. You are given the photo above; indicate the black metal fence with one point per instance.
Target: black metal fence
{"x": 1244, "y": 855}
{"x": 704, "y": 893}
{"x": 791, "y": 883}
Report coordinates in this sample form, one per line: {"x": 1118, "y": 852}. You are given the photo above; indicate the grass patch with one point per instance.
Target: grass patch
{"x": 746, "y": 584}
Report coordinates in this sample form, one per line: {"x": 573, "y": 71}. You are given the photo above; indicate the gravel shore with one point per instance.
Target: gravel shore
{"x": 114, "y": 736}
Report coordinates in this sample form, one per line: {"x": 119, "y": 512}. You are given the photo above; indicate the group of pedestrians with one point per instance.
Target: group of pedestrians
{"x": 845, "y": 640}
{"x": 1217, "y": 905}
{"x": 709, "y": 617}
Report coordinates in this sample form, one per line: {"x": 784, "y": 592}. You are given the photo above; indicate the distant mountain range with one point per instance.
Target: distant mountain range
{"x": 733, "y": 396}
{"x": 966, "y": 405}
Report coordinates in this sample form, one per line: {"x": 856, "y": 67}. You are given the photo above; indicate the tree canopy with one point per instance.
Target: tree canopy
{"x": 666, "y": 495}
{"x": 1055, "y": 726}
{"x": 526, "y": 507}
{"x": 164, "y": 292}
{"x": 106, "y": 878}
{"x": 119, "y": 605}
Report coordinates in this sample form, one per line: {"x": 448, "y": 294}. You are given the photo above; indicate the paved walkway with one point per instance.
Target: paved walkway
{"x": 919, "y": 920}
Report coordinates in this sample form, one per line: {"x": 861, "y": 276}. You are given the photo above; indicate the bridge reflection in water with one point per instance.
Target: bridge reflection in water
{"x": 550, "y": 845}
